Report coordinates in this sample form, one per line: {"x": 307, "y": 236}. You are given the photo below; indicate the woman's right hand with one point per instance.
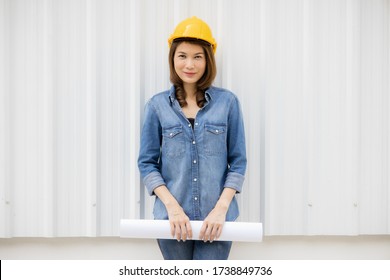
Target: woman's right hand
{"x": 178, "y": 220}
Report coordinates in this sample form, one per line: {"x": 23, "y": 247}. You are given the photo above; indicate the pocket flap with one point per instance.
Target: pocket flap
{"x": 215, "y": 129}
{"x": 172, "y": 131}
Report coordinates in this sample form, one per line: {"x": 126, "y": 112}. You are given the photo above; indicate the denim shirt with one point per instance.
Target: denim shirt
{"x": 197, "y": 163}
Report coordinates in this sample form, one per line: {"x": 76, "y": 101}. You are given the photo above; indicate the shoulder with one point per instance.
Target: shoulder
{"x": 159, "y": 100}
{"x": 160, "y": 97}
{"x": 218, "y": 93}
{"x": 157, "y": 103}
{"x": 219, "y": 90}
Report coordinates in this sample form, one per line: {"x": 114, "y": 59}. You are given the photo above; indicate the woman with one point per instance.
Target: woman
{"x": 192, "y": 154}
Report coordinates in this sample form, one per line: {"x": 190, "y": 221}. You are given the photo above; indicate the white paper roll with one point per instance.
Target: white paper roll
{"x": 232, "y": 231}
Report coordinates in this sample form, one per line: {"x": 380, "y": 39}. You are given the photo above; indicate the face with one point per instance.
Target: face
{"x": 189, "y": 62}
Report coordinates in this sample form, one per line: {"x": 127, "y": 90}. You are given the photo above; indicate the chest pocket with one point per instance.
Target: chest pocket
{"x": 215, "y": 139}
{"x": 173, "y": 145}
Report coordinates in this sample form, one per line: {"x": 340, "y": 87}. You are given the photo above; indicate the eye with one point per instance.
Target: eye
{"x": 182, "y": 56}
{"x": 198, "y": 57}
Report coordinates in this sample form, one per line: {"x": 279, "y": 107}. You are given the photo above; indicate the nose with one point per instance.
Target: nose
{"x": 190, "y": 64}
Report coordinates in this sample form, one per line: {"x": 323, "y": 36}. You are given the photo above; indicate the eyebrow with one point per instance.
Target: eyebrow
{"x": 194, "y": 54}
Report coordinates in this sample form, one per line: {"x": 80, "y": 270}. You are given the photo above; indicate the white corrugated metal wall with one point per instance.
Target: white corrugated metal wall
{"x": 312, "y": 77}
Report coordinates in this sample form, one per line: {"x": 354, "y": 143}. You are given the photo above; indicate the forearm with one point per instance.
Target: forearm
{"x": 179, "y": 221}
{"x": 166, "y": 197}
{"x": 225, "y": 199}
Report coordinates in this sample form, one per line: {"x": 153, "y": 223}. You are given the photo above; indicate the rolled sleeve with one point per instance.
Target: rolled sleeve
{"x": 236, "y": 148}
{"x": 149, "y": 155}
{"x": 234, "y": 181}
{"x": 152, "y": 181}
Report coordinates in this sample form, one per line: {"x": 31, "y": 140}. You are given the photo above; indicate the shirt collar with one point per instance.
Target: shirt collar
{"x": 208, "y": 94}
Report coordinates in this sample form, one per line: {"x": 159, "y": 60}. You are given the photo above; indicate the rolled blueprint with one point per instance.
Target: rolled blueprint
{"x": 160, "y": 229}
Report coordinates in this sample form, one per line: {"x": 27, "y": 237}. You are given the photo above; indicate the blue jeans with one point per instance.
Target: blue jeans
{"x": 194, "y": 249}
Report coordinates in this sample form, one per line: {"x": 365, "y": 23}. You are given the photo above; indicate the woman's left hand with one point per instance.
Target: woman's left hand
{"x": 213, "y": 224}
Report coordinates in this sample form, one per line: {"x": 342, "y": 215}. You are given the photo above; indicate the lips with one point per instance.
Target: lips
{"x": 189, "y": 74}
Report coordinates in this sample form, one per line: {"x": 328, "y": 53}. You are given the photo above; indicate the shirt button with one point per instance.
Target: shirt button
{"x": 195, "y": 179}
{"x": 216, "y": 131}
{"x": 170, "y": 134}
{"x": 189, "y": 125}
{"x": 196, "y": 123}
{"x": 195, "y": 198}
{"x": 194, "y": 161}
{"x": 193, "y": 142}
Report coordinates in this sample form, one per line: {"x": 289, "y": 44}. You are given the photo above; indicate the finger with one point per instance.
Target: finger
{"x": 213, "y": 232}
{"x": 189, "y": 230}
{"x": 177, "y": 232}
{"x": 219, "y": 232}
{"x": 183, "y": 232}
{"x": 203, "y": 231}
{"x": 207, "y": 234}
{"x": 172, "y": 229}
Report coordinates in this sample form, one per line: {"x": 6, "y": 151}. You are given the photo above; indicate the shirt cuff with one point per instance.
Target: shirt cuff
{"x": 234, "y": 181}
{"x": 152, "y": 181}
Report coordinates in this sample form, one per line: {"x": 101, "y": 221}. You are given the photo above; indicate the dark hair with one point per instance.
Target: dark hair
{"x": 204, "y": 82}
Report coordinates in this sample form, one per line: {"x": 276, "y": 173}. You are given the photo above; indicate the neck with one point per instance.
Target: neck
{"x": 190, "y": 90}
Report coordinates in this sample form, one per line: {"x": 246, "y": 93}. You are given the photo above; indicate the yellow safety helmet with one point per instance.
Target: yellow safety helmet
{"x": 193, "y": 27}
